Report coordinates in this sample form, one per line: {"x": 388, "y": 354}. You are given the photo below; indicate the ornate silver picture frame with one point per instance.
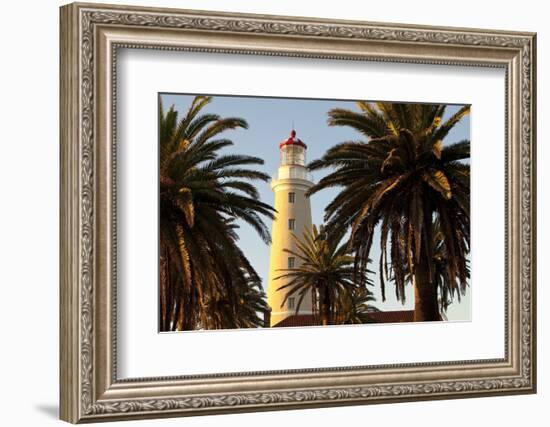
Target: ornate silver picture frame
{"x": 91, "y": 35}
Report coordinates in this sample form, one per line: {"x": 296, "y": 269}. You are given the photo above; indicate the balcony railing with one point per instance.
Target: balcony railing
{"x": 299, "y": 173}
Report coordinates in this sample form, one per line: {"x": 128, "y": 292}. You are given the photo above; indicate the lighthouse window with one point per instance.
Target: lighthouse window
{"x": 291, "y": 224}
{"x": 291, "y": 197}
{"x": 291, "y": 260}
{"x": 291, "y": 303}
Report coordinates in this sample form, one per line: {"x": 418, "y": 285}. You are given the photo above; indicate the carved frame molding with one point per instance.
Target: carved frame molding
{"x": 90, "y": 37}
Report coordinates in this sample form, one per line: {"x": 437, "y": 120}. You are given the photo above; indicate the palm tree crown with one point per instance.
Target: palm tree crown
{"x": 326, "y": 270}
{"x": 202, "y": 194}
{"x": 401, "y": 179}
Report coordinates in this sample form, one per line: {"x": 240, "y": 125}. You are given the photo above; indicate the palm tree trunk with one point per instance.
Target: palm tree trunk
{"x": 314, "y": 306}
{"x": 325, "y": 308}
{"x": 164, "y": 320}
{"x": 168, "y": 291}
{"x": 426, "y": 307}
{"x": 163, "y": 293}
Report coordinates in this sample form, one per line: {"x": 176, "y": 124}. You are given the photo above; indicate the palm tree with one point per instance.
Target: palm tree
{"x": 355, "y": 307}
{"x": 400, "y": 180}
{"x": 202, "y": 194}
{"x": 325, "y": 270}
{"x": 245, "y": 314}
{"x": 449, "y": 288}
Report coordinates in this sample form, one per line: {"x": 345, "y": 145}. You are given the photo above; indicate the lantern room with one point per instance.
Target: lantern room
{"x": 293, "y": 151}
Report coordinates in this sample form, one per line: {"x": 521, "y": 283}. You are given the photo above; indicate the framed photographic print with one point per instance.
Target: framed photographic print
{"x": 267, "y": 212}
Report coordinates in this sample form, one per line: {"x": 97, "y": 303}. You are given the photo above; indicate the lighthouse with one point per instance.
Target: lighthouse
{"x": 293, "y": 217}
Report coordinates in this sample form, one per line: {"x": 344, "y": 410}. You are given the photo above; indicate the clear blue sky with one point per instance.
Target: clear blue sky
{"x": 270, "y": 121}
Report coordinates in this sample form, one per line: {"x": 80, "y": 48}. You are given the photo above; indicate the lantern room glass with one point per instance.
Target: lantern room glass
{"x": 292, "y": 154}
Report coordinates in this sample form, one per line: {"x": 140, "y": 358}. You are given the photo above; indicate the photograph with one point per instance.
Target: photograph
{"x": 292, "y": 212}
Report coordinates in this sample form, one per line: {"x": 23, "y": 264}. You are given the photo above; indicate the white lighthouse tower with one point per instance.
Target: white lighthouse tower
{"x": 293, "y": 217}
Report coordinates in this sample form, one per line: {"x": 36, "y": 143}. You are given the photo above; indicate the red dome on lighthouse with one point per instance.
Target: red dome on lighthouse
{"x": 292, "y": 140}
